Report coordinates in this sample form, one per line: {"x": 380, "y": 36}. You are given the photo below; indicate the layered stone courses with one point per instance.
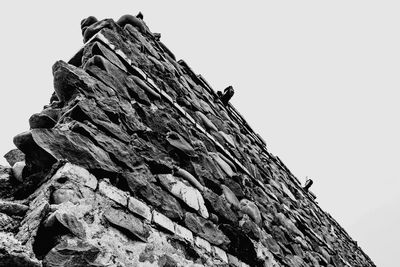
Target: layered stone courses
{"x": 184, "y": 177}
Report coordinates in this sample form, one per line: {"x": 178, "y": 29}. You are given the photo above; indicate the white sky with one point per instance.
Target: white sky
{"x": 318, "y": 80}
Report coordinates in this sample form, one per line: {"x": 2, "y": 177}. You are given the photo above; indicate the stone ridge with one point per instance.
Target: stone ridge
{"x": 137, "y": 162}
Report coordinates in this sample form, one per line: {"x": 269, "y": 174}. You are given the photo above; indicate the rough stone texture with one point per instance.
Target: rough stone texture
{"x": 12, "y": 253}
{"x": 136, "y": 162}
{"x": 13, "y": 156}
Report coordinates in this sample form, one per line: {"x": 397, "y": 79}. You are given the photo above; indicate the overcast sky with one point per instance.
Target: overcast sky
{"x": 318, "y": 80}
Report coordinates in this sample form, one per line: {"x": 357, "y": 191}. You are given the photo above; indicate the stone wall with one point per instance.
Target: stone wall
{"x": 137, "y": 162}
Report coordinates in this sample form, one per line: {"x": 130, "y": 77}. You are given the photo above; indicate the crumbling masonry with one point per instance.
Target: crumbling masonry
{"x": 136, "y": 161}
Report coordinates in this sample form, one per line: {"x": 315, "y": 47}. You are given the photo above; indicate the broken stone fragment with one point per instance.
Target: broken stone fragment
{"x": 206, "y": 121}
{"x": 235, "y": 187}
{"x": 142, "y": 186}
{"x": 250, "y": 228}
{"x": 33, "y": 152}
{"x": 45, "y": 146}
{"x": 222, "y": 164}
{"x": 94, "y": 28}
{"x": 187, "y": 194}
{"x": 248, "y": 207}
{"x": 97, "y": 48}
{"x": 288, "y": 192}
{"x": 230, "y": 163}
{"x": 64, "y": 85}
{"x": 152, "y": 93}
{"x": 116, "y": 149}
{"x": 87, "y": 22}
{"x": 67, "y": 221}
{"x": 142, "y": 40}
{"x": 230, "y": 197}
{"x": 228, "y": 138}
{"x": 288, "y": 224}
{"x": 132, "y": 20}
{"x": 18, "y": 169}
{"x": 128, "y": 223}
{"x": 71, "y": 252}
{"x": 119, "y": 196}
{"x": 39, "y": 120}
{"x": 108, "y": 73}
{"x": 189, "y": 177}
{"x": 13, "y": 208}
{"x": 138, "y": 93}
{"x": 13, "y": 156}
{"x": 179, "y": 143}
{"x": 271, "y": 244}
{"x": 219, "y": 205}
{"x": 139, "y": 208}
{"x": 205, "y": 229}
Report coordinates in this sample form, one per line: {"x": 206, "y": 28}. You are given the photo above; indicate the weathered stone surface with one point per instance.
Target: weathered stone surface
{"x": 77, "y": 174}
{"x": 127, "y": 222}
{"x": 141, "y": 185}
{"x": 202, "y": 243}
{"x": 115, "y": 148}
{"x": 17, "y": 170}
{"x": 288, "y": 192}
{"x": 78, "y": 149}
{"x": 222, "y": 164}
{"x": 62, "y": 195}
{"x": 248, "y": 207}
{"x": 70, "y": 80}
{"x": 39, "y": 120}
{"x": 13, "y": 156}
{"x": 235, "y": 188}
{"x": 221, "y": 254}
{"x": 145, "y": 87}
{"x": 183, "y": 232}
{"x": 139, "y": 208}
{"x": 97, "y": 48}
{"x": 125, "y": 112}
{"x": 189, "y": 177}
{"x": 109, "y": 74}
{"x": 134, "y": 21}
{"x": 206, "y": 122}
{"x": 230, "y": 196}
{"x": 94, "y": 28}
{"x": 113, "y": 193}
{"x": 72, "y": 253}
{"x": 233, "y": 261}
{"x": 187, "y": 194}
{"x": 163, "y": 221}
{"x": 205, "y": 229}
{"x": 179, "y": 143}
{"x": 7, "y": 183}
{"x": 288, "y": 224}
{"x": 34, "y": 216}
{"x": 7, "y": 223}
{"x": 250, "y": 228}
{"x": 13, "y": 253}
{"x": 219, "y": 206}
{"x": 13, "y": 208}
{"x": 87, "y": 109}
{"x": 67, "y": 221}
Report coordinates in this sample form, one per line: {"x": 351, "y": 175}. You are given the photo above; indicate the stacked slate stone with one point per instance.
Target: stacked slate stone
{"x": 136, "y": 162}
